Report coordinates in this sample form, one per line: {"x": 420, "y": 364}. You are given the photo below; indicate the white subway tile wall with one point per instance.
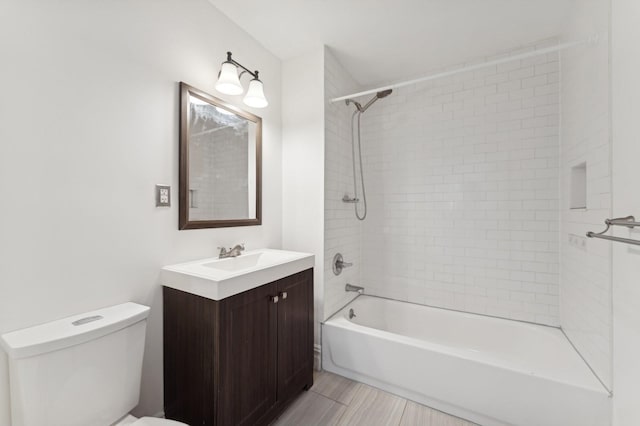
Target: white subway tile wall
{"x": 469, "y": 190}
{"x": 585, "y": 284}
{"x": 216, "y": 194}
{"x": 462, "y": 179}
{"x": 342, "y": 229}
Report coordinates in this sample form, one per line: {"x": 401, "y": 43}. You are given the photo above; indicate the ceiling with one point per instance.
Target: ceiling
{"x": 383, "y": 41}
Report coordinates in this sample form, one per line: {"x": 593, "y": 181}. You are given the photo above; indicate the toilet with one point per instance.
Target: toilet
{"x": 79, "y": 371}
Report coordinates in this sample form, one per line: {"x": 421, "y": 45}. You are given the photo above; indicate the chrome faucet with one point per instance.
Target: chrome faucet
{"x": 232, "y": 252}
{"x": 356, "y": 288}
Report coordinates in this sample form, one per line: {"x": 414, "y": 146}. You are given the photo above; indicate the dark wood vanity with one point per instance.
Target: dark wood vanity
{"x": 239, "y": 360}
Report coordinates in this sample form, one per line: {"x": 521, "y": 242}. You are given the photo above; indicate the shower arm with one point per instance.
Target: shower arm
{"x": 361, "y": 109}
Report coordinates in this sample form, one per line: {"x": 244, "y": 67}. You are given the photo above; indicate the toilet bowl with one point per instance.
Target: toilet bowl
{"x": 79, "y": 371}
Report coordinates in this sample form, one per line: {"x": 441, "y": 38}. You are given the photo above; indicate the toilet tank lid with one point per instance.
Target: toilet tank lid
{"x": 74, "y": 330}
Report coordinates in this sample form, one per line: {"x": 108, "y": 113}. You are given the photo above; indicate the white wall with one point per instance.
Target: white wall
{"x": 88, "y": 126}
{"x": 626, "y": 200}
{"x": 461, "y": 177}
{"x": 303, "y": 163}
{"x": 342, "y": 229}
{"x": 585, "y": 289}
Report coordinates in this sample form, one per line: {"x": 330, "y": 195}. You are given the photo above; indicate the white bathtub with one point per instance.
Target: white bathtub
{"x": 488, "y": 370}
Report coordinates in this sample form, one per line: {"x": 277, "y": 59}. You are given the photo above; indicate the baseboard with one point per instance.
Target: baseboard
{"x": 317, "y": 357}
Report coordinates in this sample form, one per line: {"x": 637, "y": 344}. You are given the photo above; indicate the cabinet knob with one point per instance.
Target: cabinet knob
{"x": 283, "y": 295}
{"x": 274, "y": 299}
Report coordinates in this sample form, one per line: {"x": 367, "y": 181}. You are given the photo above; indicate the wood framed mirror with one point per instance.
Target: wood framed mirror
{"x": 220, "y": 163}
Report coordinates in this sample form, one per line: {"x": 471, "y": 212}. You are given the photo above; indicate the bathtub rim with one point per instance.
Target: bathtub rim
{"x": 341, "y": 322}
{"x": 440, "y": 308}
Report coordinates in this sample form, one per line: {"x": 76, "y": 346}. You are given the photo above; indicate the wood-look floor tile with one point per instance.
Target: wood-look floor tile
{"x": 420, "y": 415}
{"x": 416, "y": 415}
{"x": 334, "y": 387}
{"x": 373, "y": 407}
{"x": 438, "y": 418}
{"x": 311, "y": 409}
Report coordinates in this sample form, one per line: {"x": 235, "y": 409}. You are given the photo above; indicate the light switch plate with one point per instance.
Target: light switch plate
{"x": 163, "y": 196}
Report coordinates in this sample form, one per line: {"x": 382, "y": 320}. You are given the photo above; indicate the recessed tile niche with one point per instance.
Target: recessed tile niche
{"x": 578, "y": 199}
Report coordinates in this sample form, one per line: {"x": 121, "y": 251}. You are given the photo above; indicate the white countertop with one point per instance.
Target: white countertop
{"x": 217, "y": 279}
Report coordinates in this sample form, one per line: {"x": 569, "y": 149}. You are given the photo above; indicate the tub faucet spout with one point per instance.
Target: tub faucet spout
{"x": 356, "y": 288}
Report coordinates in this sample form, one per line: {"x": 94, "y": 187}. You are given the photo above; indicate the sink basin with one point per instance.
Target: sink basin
{"x": 242, "y": 262}
{"x": 217, "y": 279}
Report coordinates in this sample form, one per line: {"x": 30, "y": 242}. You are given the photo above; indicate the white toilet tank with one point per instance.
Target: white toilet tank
{"x": 78, "y": 371}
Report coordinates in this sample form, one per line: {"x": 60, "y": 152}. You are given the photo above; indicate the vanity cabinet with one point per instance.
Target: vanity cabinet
{"x": 239, "y": 360}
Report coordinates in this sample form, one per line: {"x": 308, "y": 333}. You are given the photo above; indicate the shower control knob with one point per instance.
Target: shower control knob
{"x": 339, "y": 264}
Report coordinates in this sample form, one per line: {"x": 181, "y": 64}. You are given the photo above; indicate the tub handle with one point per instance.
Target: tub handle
{"x": 339, "y": 264}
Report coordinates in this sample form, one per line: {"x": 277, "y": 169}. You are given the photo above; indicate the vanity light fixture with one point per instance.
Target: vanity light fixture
{"x": 229, "y": 83}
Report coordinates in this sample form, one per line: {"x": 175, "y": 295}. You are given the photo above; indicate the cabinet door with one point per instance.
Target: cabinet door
{"x": 248, "y": 356}
{"x": 295, "y": 334}
{"x": 189, "y": 361}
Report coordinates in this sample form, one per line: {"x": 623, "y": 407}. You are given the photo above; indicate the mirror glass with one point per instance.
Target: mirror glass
{"x": 219, "y": 163}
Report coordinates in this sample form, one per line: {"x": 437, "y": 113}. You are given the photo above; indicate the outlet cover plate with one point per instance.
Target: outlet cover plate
{"x": 163, "y": 196}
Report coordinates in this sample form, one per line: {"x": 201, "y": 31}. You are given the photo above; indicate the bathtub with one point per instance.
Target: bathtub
{"x": 488, "y": 370}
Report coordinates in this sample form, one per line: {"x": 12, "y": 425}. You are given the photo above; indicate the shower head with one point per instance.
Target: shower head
{"x": 379, "y": 95}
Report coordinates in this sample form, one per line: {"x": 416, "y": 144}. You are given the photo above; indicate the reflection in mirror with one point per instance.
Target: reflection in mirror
{"x": 220, "y": 163}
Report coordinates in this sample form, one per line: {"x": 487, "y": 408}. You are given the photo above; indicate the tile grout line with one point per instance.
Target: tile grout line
{"x": 328, "y": 397}
{"x": 341, "y": 415}
{"x": 404, "y": 409}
